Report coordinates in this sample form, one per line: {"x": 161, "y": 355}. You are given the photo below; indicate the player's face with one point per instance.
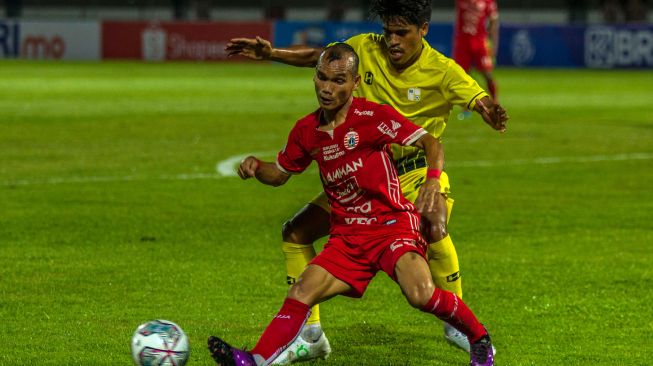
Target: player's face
{"x": 335, "y": 83}
{"x": 403, "y": 41}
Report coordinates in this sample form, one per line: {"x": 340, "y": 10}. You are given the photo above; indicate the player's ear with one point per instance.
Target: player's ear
{"x": 357, "y": 81}
{"x": 424, "y": 29}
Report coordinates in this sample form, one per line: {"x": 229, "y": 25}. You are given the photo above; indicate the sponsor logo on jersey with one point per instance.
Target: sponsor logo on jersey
{"x": 331, "y": 152}
{"x": 390, "y": 222}
{"x": 414, "y": 94}
{"x": 344, "y": 170}
{"x": 368, "y": 78}
{"x": 400, "y": 243}
{"x": 347, "y": 190}
{"x": 386, "y": 130}
{"x": 363, "y": 113}
{"x": 395, "y": 125}
{"x": 364, "y": 208}
{"x": 351, "y": 140}
{"x": 360, "y": 220}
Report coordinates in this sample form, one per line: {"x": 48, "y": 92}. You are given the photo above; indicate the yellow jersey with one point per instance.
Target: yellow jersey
{"x": 425, "y": 92}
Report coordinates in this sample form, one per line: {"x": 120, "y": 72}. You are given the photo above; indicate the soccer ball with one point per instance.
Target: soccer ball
{"x": 159, "y": 343}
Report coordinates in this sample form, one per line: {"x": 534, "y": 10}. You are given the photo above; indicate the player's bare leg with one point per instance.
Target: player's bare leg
{"x": 443, "y": 262}
{"x": 299, "y": 233}
{"x": 314, "y": 286}
{"x": 414, "y": 278}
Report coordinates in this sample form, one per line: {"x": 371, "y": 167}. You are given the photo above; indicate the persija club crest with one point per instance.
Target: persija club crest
{"x": 351, "y": 140}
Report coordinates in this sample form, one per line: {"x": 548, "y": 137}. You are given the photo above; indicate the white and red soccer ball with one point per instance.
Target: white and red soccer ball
{"x": 160, "y": 343}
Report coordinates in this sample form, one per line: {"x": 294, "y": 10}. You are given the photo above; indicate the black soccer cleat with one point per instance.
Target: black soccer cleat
{"x": 225, "y": 355}
{"x": 220, "y": 352}
{"x": 482, "y": 352}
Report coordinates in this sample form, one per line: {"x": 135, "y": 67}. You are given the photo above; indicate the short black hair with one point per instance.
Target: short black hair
{"x": 416, "y": 12}
{"x": 338, "y": 51}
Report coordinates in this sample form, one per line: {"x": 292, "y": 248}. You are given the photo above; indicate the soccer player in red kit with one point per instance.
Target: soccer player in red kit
{"x": 373, "y": 227}
{"x": 477, "y": 22}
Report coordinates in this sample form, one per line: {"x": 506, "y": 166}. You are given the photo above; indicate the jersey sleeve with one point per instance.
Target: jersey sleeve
{"x": 293, "y": 159}
{"x": 397, "y": 129}
{"x": 461, "y": 89}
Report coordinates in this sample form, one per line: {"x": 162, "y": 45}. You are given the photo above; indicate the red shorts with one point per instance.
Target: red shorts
{"x": 356, "y": 259}
{"x": 472, "y": 52}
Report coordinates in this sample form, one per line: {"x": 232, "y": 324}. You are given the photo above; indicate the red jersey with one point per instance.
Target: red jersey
{"x": 356, "y": 167}
{"x": 472, "y": 17}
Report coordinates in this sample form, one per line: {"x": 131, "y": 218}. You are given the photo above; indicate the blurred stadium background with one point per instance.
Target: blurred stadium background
{"x": 525, "y": 11}
{"x": 557, "y": 33}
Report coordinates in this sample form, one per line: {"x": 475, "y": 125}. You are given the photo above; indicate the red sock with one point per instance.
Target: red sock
{"x": 283, "y": 329}
{"x": 450, "y": 308}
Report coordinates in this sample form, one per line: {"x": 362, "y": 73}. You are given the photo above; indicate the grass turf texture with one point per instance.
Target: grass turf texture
{"x": 112, "y": 213}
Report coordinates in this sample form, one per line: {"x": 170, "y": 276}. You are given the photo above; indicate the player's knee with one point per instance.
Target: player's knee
{"x": 301, "y": 293}
{"x": 290, "y": 234}
{"x": 419, "y": 295}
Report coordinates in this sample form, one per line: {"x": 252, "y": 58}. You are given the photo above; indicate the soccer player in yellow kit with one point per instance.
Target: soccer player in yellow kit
{"x": 398, "y": 68}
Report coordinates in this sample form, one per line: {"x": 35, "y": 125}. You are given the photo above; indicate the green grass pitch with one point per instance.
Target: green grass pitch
{"x": 112, "y": 213}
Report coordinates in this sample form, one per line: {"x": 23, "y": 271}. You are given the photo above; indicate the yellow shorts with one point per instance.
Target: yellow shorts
{"x": 410, "y": 182}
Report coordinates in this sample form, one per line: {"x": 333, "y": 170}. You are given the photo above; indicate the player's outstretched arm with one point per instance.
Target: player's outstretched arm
{"x": 493, "y": 113}
{"x": 264, "y": 172}
{"x": 261, "y": 49}
{"x": 429, "y": 193}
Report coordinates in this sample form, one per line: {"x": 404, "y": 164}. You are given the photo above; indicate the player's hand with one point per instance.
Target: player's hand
{"x": 493, "y": 114}
{"x": 428, "y": 196}
{"x": 248, "y": 167}
{"x": 256, "y": 49}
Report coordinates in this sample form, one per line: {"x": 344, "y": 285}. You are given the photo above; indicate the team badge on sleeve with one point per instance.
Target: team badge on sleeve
{"x": 351, "y": 140}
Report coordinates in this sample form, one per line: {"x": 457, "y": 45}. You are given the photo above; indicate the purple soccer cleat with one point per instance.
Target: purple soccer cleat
{"x": 225, "y": 355}
{"x": 482, "y": 353}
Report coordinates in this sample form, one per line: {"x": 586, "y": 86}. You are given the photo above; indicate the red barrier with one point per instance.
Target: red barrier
{"x": 160, "y": 41}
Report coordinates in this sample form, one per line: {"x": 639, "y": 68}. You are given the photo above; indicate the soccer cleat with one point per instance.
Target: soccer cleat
{"x": 455, "y": 337}
{"x": 458, "y": 339}
{"x": 302, "y": 350}
{"x": 225, "y": 355}
{"x": 482, "y": 353}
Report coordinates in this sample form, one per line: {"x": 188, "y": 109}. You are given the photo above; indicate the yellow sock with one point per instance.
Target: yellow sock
{"x": 297, "y": 257}
{"x": 443, "y": 262}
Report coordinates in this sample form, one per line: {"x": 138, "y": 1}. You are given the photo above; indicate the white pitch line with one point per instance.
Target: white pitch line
{"x": 227, "y": 168}
{"x": 551, "y": 160}
{"x": 103, "y": 179}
